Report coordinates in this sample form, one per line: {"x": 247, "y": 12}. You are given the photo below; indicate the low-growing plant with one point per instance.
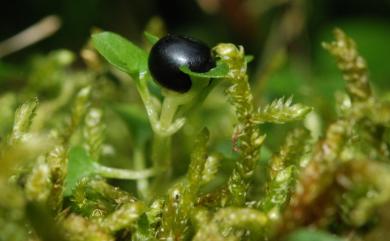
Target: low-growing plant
{"x": 88, "y": 162}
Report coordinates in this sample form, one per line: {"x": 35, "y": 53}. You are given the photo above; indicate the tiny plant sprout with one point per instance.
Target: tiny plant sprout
{"x": 172, "y": 52}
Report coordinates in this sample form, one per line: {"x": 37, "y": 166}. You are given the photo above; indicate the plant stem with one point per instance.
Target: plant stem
{"x": 139, "y": 165}
{"x": 161, "y": 153}
{"x": 168, "y": 112}
{"x": 117, "y": 173}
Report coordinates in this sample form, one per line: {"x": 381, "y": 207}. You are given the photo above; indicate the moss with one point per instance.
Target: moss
{"x": 53, "y": 176}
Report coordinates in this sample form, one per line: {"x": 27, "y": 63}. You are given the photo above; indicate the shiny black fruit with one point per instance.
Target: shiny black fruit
{"x": 173, "y": 51}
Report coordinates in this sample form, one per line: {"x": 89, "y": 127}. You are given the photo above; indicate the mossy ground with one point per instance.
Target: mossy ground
{"x": 86, "y": 161}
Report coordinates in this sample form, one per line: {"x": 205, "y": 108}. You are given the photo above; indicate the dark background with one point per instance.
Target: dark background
{"x": 231, "y": 22}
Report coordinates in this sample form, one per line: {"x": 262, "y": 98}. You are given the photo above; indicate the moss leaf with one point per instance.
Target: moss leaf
{"x": 281, "y": 111}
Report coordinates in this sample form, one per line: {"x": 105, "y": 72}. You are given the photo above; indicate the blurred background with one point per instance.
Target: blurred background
{"x": 262, "y": 26}
{"x": 284, "y": 36}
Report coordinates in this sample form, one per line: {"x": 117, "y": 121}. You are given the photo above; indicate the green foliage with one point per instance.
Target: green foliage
{"x": 101, "y": 168}
{"x": 249, "y": 58}
{"x": 94, "y": 197}
{"x": 228, "y": 223}
{"x": 249, "y": 137}
{"x": 281, "y": 111}
{"x": 57, "y": 160}
{"x": 81, "y": 229}
{"x": 283, "y": 172}
{"x": 181, "y": 198}
{"x": 219, "y": 71}
{"x": 150, "y": 37}
{"x": 94, "y": 132}
{"x": 352, "y": 65}
{"x": 23, "y": 117}
{"x": 79, "y": 165}
{"x": 79, "y": 109}
{"x": 121, "y": 53}
{"x": 307, "y": 235}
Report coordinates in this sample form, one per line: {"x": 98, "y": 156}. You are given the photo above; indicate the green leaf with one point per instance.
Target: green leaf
{"x": 219, "y": 71}
{"x": 151, "y": 38}
{"x": 79, "y": 165}
{"x": 249, "y": 58}
{"x": 120, "y": 52}
{"x": 310, "y": 235}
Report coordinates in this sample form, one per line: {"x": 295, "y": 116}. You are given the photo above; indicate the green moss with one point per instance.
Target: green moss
{"x": 54, "y": 185}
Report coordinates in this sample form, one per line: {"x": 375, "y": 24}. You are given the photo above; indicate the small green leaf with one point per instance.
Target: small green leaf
{"x": 310, "y": 235}
{"x": 120, "y": 52}
{"x": 249, "y": 58}
{"x": 79, "y": 165}
{"x": 151, "y": 38}
{"x": 219, "y": 71}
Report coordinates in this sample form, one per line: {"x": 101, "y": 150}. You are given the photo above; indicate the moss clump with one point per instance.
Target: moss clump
{"x": 99, "y": 168}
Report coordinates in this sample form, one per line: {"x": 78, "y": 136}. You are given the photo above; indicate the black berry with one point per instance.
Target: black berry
{"x": 173, "y": 51}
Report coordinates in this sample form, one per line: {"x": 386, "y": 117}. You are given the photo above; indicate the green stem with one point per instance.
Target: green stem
{"x": 168, "y": 112}
{"x": 161, "y": 153}
{"x": 117, "y": 173}
{"x": 139, "y": 165}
